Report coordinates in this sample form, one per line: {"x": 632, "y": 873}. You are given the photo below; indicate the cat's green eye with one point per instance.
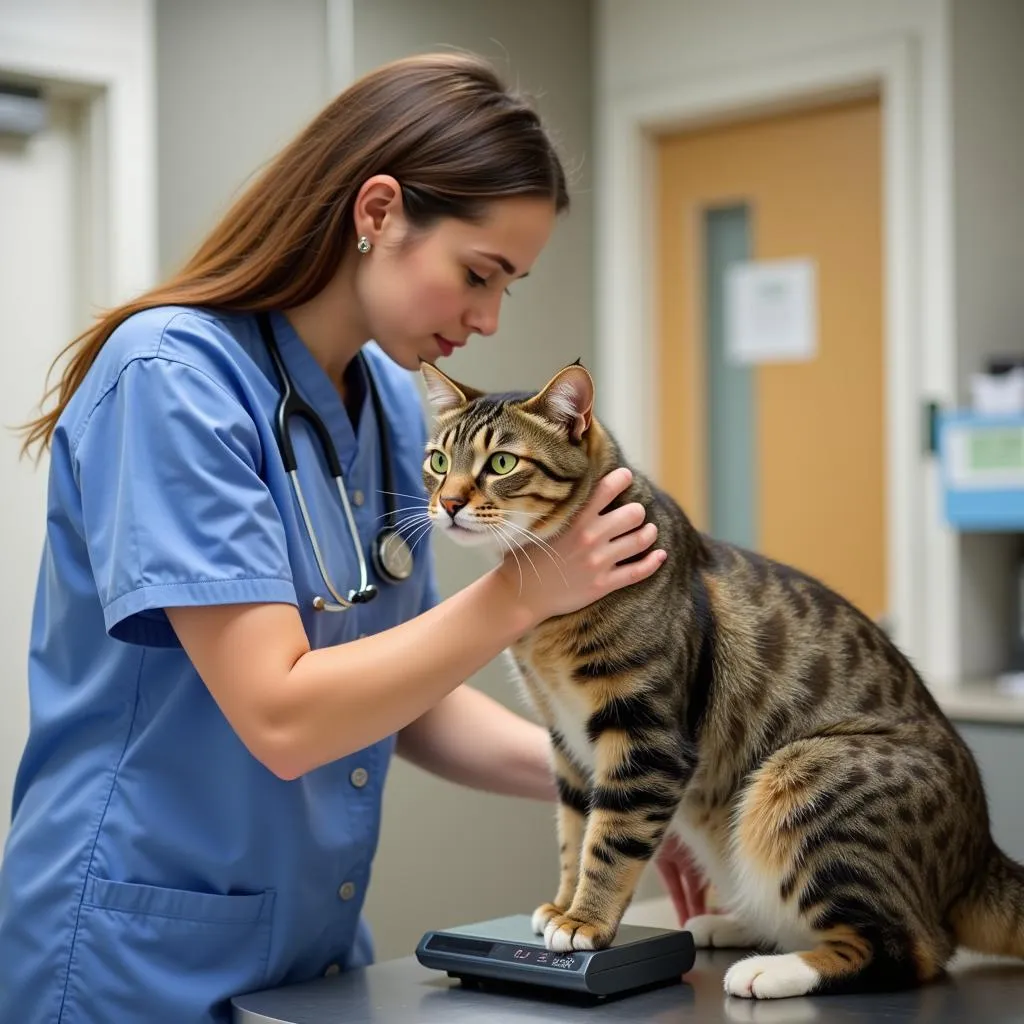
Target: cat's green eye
{"x": 439, "y": 462}
{"x": 503, "y": 462}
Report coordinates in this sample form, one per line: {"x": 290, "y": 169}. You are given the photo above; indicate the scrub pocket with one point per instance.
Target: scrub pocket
{"x": 144, "y": 953}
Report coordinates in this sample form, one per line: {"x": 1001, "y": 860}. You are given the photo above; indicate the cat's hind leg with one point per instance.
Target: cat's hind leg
{"x": 813, "y": 852}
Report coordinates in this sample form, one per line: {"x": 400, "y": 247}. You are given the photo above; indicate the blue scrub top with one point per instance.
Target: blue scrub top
{"x": 154, "y": 868}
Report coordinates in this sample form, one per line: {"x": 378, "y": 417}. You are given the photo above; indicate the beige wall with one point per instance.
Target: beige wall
{"x": 226, "y": 101}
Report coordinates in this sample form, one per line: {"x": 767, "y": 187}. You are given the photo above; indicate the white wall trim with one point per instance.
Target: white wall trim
{"x": 341, "y": 49}
{"x": 110, "y": 61}
{"x": 626, "y": 344}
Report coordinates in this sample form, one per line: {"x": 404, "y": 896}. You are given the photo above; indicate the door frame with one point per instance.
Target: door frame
{"x": 627, "y": 322}
{"x": 104, "y": 59}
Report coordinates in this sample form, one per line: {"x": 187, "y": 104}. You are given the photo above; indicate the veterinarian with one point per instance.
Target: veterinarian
{"x": 232, "y": 631}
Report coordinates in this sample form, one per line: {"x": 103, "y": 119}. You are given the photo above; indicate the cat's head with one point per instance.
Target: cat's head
{"x": 502, "y": 469}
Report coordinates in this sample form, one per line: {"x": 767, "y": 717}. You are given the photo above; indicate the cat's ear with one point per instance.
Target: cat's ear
{"x": 443, "y": 393}
{"x": 568, "y": 398}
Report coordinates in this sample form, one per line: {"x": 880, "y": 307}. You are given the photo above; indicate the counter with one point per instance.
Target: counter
{"x": 977, "y": 991}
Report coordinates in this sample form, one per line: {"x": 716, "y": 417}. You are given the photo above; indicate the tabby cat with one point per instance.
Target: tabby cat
{"x": 740, "y": 703}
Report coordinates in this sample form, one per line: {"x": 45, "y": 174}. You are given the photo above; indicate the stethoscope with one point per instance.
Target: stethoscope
{"x": 391, "y": 555}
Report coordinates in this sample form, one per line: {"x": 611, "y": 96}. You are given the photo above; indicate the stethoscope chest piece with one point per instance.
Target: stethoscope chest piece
{"x": 392, "y": 556}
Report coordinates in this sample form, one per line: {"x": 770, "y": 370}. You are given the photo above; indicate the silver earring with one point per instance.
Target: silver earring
{"x": 363, "y": 245}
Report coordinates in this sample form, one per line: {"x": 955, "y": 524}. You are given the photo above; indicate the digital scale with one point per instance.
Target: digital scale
{"x": 506, "y": 952}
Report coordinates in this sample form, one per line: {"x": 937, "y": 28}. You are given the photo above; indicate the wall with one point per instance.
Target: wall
{"x": 449, "y": 855}
{"x": 226, "y": 103}
{"x": 987, "y": 93}
{"x": 642, "y": 43}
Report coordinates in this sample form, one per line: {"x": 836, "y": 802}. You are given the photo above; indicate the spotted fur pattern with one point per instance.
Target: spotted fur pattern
{"x": 740, "y": 703}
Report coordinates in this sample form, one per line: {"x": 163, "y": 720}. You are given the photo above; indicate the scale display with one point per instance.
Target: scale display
{"x": 506, "y": 950}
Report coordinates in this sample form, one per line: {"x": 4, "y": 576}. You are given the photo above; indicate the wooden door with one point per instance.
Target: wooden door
{"x": 808, "y": 458}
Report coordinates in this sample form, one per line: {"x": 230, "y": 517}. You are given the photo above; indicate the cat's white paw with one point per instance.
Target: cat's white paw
{"x": 563, "y": 934}
{"x": 720, "y": 931}
{"x": 771, "y": 977}
{"x": 542, "y": 915}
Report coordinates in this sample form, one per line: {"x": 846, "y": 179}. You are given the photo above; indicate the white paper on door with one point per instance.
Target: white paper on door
{"x": 771, "y": 311}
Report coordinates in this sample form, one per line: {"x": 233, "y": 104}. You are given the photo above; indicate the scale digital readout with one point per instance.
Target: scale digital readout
{"x": 507, "y": 951}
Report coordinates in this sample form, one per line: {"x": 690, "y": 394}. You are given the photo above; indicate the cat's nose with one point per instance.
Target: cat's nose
{"x": 452, "y": 506}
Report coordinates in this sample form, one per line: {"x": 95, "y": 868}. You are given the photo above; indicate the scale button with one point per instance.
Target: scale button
{"x": 357, "y": 497}
{"x": 332, "y": 971}
{"x": 347, "y": 890}
{"x": 359, "y": 777}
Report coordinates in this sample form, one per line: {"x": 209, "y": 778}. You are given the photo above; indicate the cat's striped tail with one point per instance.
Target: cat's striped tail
{"x": 990, "y": 919}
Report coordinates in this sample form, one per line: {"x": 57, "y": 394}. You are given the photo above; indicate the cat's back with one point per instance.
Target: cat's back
{"x": 795, "y": 661}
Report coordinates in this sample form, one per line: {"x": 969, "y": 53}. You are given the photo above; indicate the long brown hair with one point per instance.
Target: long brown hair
{"x": 443, "y": 125}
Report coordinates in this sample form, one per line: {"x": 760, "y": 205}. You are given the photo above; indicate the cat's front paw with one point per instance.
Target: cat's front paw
{"x": 543, "y": 914}
{"x": 564, "y": 933}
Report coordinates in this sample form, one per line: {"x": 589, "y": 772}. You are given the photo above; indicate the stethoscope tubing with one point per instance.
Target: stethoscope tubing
{"x": 292, "y": 404}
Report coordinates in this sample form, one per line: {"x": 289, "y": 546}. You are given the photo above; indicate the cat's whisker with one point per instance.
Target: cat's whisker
{"x": 497, "y": 533}
{"x": 526, "y": 554}
{"x": 534, "y": 539}
{"x": 402, "y": 494}
{"x": 399, "y": 511}
{"x": 423, "y": 530}
{"x": 411, "y": 519}
{"x": 533, "y": 515}
{"x": 544, "y": 546}
{"x": 548, "y": 553}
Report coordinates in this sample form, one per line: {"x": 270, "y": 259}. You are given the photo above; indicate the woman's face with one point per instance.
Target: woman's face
{"x": 424, "y": 294}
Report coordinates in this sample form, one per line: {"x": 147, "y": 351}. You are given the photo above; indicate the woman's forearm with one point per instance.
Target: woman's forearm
{"x": 339, "y": 700}
{"x": 473, "y": 740}
{"x": 297, "y": 709}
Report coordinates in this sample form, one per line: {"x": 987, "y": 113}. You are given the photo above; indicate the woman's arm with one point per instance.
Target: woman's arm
{"x": 473, "y": 740}
{"x": 297, "y": 708}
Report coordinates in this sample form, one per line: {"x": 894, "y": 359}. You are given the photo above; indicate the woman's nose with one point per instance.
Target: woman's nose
{"x": 483, "y": 318}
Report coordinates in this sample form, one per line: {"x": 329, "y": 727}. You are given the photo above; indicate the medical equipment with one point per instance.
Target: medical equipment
{"x": 391, "y": 555}
{"x": 506, "y": 953}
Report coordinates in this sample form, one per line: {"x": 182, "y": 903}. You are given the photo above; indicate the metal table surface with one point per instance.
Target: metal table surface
{"x": 977, "y": 991}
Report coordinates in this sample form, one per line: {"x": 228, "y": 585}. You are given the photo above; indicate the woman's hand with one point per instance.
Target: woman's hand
{"x": 580, "y": 566}
{"x": 683, "y": 879}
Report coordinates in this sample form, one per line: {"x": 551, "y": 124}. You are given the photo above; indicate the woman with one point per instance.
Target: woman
{"x": 197, "y": 807}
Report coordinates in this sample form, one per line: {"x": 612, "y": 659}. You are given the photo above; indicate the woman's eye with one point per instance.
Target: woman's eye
{"x": 503, "y": 462}
{"x": 476, "y": 281}
{"x": 439, "y": 462}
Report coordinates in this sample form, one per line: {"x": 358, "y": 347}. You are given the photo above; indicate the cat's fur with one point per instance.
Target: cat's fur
{"x": 743, "y": 704}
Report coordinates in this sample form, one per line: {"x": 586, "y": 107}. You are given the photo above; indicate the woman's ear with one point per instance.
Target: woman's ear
{"x": 443, "y": 393}
{"x": 378, "y": 200}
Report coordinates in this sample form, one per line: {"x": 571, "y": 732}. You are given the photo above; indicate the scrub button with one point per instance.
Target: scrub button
{"x": 359, "y": 777}
{"x": 347, "y": 891}
{"x": 357, "y": 497}
{"x": 332, "y": 971}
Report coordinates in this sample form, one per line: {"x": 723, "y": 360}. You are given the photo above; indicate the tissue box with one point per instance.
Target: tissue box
{"x": 998, "y": 394}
